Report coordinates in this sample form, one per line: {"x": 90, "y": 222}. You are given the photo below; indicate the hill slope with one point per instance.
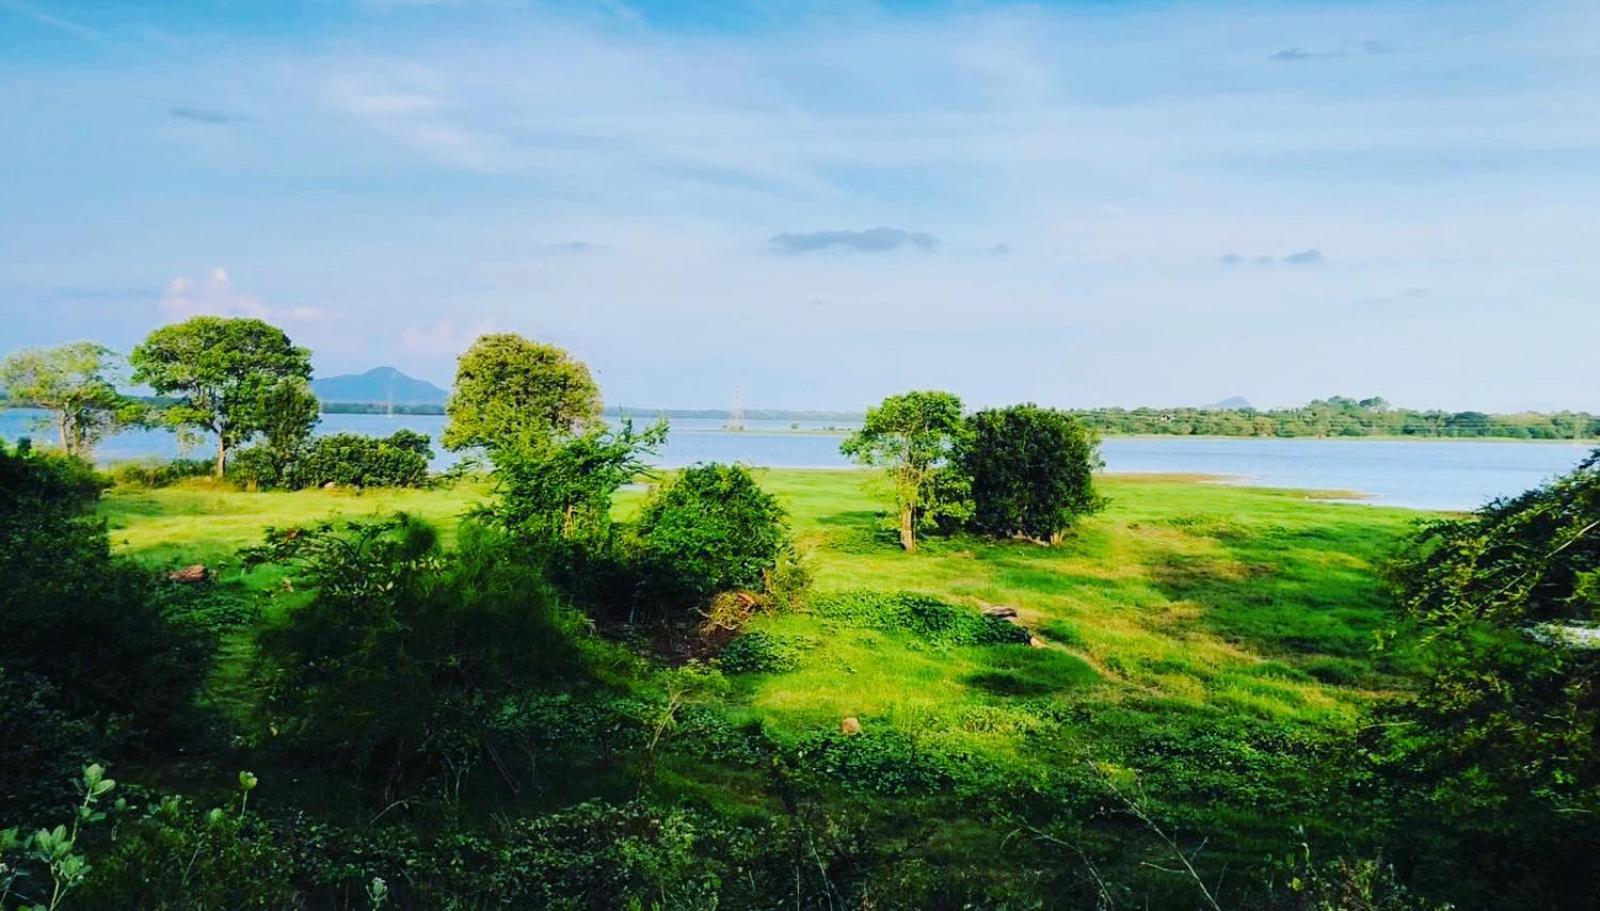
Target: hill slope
{"x": 380, "y": 385}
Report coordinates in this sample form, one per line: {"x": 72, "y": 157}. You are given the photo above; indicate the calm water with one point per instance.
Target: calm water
{"x": 1423, "y": 475}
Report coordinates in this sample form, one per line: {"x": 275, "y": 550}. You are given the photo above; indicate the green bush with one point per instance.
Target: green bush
{"x": 1031, "y": 471}
{"x": 352, "y": 460}
{"x": 761, "y": 652}
{"x": 151, "y": 475}
{"x": 926, "y": 618}
{"x": 406, "y": 654}
{"x": 710, "y": 529}
{"x": 92, "y": 624}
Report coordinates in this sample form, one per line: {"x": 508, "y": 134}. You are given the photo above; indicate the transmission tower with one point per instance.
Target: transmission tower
{"x": 736, "y": 413}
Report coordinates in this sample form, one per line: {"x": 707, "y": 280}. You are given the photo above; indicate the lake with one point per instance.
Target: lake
{"x": 1424, "y": 474}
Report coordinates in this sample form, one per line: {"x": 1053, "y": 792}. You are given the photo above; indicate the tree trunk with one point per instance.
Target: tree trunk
{"x": 908, "y": 530}
{"x": 222, "y": 456}
{"x": 66, "y": 445}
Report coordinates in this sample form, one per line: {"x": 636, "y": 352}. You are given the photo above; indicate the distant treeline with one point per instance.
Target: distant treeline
{"x": 749, "y": 414}
{"x": 379, "y": 408}
{"x": 1332, "y": 417}
{"x": 1342, "y": 417}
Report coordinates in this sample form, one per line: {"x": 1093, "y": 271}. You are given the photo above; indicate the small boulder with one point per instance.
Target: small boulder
{"x": 190, "y": 575}
{"x": 329, "y": 486}
{"x": 850, "y": 727}
{"x": 1035, "y": 642}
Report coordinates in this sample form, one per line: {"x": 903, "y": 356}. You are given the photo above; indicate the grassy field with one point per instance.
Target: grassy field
{"x": 1216, "y": 642}
{"x": 1211, "y": 598}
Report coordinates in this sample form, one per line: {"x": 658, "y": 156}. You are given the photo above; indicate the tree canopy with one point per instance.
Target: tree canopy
{"x": 508, "y": 387}
{"x": 912, "y": 436}
{"x": 1031, "y": 471}
{"x": 76, "y": 381}
{"x": 225, "y": 372}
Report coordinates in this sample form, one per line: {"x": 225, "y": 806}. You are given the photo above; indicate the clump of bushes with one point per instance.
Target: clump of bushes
{"x": 924, "y": 617}
{"x": 151, "y": 475}
{"x": 710, "y": 529}
{"x": 343, "y": 459}
{"x": 89, "y": 622}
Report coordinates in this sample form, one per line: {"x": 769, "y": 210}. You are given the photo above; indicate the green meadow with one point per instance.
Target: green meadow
{"x": 1214, "y": 643}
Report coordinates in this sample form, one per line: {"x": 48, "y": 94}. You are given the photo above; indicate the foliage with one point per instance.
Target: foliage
{"x": 40, "y": 747}
{"x": 912, "y": 435}
{"x": 404, "y": 653}
{"x": 154, "y": 475}
{"x": 353, "y": 460}
{"x": 225, "y": 372}
{"x": 927, "y": 619}
{"x": 1501, "y": 747}
{"x": 92, "y": 624}
{"x": 53, "y": 853}
{"x": 761, "y": 652}
{"x": 77, "y": 382}
{"x": 510, "y": 390}
{"x": 340, "y": 459}
{"x": 289, "y": 412}
{"x": 1031, "y": 471}
{"x": 1340, "y": 416}
{"x": 709, "y": 529}
{"x": 547, "y": 492}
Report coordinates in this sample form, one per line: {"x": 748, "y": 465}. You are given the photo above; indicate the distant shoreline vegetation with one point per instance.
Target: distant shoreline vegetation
{"x": 1335, "y": 417}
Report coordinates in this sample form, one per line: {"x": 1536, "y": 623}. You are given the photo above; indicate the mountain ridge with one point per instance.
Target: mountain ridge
{"x": 378, "y": 386}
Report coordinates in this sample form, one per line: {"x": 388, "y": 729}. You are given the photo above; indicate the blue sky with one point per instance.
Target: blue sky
{"x": 822, "y": 203}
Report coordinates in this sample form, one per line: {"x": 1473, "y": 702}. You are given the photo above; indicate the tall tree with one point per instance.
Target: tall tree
{"x": 912, "y": 436}
{"x": 223, "y": 370}
{"x": 1031, "y": 471}
{"x": 509, "y": 388}
{"x": 76, "y": 381}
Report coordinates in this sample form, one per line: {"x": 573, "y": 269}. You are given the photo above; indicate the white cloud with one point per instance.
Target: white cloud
{"x": 215, "y": 295}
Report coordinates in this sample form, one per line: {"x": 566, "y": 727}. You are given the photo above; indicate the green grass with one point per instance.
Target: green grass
{"x": 1223, "y": 601}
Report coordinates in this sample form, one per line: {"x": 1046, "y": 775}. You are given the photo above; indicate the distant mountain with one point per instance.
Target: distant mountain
{"x": 378, "y": 386}
{"x": 1233, "y": 403}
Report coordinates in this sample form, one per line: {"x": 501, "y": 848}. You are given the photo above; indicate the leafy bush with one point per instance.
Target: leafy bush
{"x": 405, "y": 654}
{"x": 1498, "y": 758}
{"x": 711, "y": 529}
{"x": 90, "y": 623}
{"x": 1031, "y": 471}
{"x": 353, "y": 460}
{"x": 761, "y": 652}
{"x": 924, "y": 617}
{"x": 150, "y": 475}
{"x": 40, "y": 747}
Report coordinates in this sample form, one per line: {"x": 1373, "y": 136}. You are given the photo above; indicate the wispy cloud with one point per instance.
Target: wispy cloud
{"x": 1349, "y": 49}
{"x": 205, "y": 115}
{"x": 872, "y": 240}
{"x": 1304, "y": 258}
{"x": 56, "y": 22}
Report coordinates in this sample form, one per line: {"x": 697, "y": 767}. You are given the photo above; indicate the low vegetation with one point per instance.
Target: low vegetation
{"x": 575, "y": 683}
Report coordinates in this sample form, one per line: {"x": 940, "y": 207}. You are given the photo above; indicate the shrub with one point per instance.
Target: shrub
{"x": 352, "y": 460}
{"x": 926, "y": 618}
{"x": 1498, "y": 756}
{"x": 711, "y": 529}
{"x": 90, "y": 623}
{"x": 398, "y": 666}
{"x": 150, "y": 475}
{"x": 760, "y": 652}
{"x": 1031, "y": 471}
